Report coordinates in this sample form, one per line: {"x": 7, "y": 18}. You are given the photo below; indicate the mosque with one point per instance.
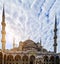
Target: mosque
{"x": 28, "y": 52}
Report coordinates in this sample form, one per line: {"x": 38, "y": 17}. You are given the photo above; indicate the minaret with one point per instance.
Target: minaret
{"x": 55, "y": 36}
{"x": 3, "y": 40}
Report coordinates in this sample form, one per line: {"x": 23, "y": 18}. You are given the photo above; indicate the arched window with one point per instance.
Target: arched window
{"x": 32, "y": 59}
{"x": 40, "y": 62}
{"x": 1, "y": 57}
{"x": 52, "y": 59}
{"x": 5, "y": 59}
{"x": 25, "y": 59}
{"x": 57, "y": 59}
{"x": 17, "y": 58}
{"x": 9, "y": 58}
{"x": 46, "y": 60}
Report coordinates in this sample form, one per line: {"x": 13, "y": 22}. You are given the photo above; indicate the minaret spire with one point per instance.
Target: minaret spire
{"x": 3, "y": 10}
{"x": 3, "y": 14}
{"x": 55, "y": 35}
{"x": 3, "y": 40}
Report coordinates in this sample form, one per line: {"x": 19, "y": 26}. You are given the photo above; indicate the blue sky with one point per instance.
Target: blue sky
{"x": 32, "y": 19}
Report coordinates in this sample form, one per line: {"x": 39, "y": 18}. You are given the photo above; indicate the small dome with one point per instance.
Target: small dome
{"x": 44, "y": 50}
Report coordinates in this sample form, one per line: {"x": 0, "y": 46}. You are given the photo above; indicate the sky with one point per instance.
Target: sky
{"x": 31, "y": 19}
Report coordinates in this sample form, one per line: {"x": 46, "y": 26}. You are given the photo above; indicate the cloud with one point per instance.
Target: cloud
{"x": 31, "y": 18}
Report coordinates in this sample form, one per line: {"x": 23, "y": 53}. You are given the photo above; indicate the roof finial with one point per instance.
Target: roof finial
{"x": 3, "y": 10}
{"x": 55, "y": 21}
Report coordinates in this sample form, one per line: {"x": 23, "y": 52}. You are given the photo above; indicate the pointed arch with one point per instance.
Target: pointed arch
{"x": 52, "y": 58}
{"x": 40, "y": 62}
{"x": 1, "y": 57}
{"x": 5, "y": 59}
{"x": 10, "y": 58}
{"x": 25, "y": 59}
{"x": 32, "y": 59}
{"x": 57, "y": 59}
{"x": 46, "y": 59}
{"x": 17, "y": 58}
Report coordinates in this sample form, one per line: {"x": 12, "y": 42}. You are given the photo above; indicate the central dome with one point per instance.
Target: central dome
{"x": 29, "y": 44}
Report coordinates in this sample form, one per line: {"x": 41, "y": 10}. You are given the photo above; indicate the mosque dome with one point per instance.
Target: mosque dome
{"x": 29, "y": 44}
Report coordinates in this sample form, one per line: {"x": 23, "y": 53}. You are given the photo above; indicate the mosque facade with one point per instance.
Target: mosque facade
{"x": 28, "y": 52}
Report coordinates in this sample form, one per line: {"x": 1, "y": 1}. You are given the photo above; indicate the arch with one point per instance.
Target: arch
{"x": 32, "y": 59}
{"x": 46, "y": 59}
{"x": 17, "y": 57}
{"x": 5, "y": 59}
{"x": 40, "y": 62}
{"x": 52, "y": 59}
{"x": 57, "y": 59}
{"x": 10, "y": 57}
{"x": 1, "y": 57}
{"x": 25, "y": 59}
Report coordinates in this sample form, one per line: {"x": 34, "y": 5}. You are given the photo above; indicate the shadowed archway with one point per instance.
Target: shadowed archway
{"x": 52, "y": 59}
{"x": 32, "y": 59}
{"x": 10, "y": 58}
{"x": 57, "y": 59}
{"x": 18, "y": 59}
{"x": 46, "y": 59}
{"x": 1, "y": 57}
{"x": 25, "y": 59}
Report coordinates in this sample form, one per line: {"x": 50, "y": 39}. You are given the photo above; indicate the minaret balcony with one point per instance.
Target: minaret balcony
{"x": 3, "y": 41}
{"x": 3, "y": 24}
{"x": 55, "y": 30}
{"x": 55, "y": 44}
{"x": 55, "y": 37}
{"x": 3, "y": 32}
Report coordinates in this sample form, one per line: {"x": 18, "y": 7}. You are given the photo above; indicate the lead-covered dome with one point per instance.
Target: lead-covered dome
{"x": 29, "y": 45}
